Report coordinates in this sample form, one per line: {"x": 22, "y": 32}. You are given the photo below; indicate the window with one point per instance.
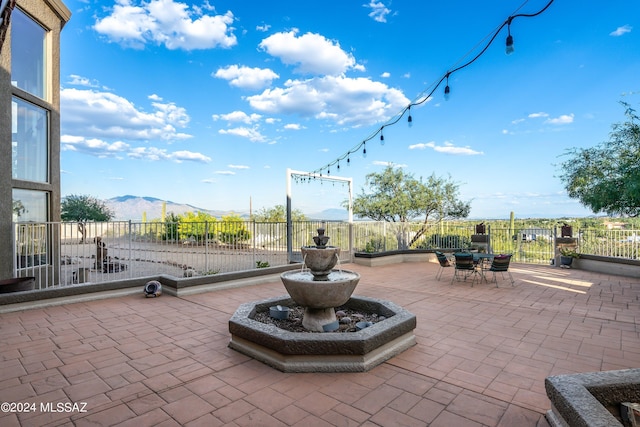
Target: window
{"x": 29, "y": 141}
{"x": 30, "y": 208}
{"x": 30, "y": 205}
{"x": 28, "y": 54}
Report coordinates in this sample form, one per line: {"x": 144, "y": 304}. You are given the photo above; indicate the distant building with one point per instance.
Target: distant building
{"x": 29, "y": 122}
{"x": 615, "y": 225}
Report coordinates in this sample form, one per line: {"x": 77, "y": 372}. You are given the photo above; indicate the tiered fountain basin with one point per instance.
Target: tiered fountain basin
{"x": 323, "y": 351}
{"x": 319, "y": 297}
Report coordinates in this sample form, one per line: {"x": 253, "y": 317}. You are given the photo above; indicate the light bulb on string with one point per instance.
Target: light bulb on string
{"x": 364, "y": 149}
{"x": 410, "y": 119}
{"x": 381, "y": 137}
{"x": 447, "y": 90}
{"x": 348, "y": 161}
{"x": 509, "y": 49}
{"x": 338, "y": 166}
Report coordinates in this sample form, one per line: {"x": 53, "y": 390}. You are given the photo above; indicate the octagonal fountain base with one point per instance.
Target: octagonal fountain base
{"x": 323, "y": 351}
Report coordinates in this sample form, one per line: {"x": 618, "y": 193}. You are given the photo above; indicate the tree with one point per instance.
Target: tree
{"x": 396, "y": 196}
{"x": 278, "y": 214}
{"x": 83, "y": 208}
{"x": 606, "y": 178}
{"x": 233, "y": 230}
{"x": 196, "y": 226}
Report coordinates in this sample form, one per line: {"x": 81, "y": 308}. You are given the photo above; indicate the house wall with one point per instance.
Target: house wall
{"x": 52, "y": 15}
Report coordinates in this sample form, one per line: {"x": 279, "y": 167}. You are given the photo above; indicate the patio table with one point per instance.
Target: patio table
{"x": 483, "y": 260}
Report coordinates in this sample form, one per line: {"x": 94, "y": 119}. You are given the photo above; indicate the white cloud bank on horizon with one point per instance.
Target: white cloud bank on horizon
{"x": 121, "y": 150}
{"x": 447, "y": 148}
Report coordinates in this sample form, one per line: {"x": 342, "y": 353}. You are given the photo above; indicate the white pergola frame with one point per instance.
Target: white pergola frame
{"x": 290, "y": 174}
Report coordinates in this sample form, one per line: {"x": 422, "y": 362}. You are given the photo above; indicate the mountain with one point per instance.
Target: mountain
{"x": 333, "y": 214}
{"x": 132, "y": 208}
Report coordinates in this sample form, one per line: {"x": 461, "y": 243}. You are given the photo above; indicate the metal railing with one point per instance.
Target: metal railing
{"x": 62, "y": 254}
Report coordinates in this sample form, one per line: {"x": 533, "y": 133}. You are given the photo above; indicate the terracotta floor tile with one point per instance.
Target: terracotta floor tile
{"x": 317, "y": 403}
{"x": 478, "y": 408}
{"x": 448, "y": 419}
{"x": 481, "y": 357}
{"x": 187, "y": 409}
{"x": 107, "y": 417}
{"x": 233, "y": 410}
{"x": 292, "y": 414}
{"x": 390, "y": 417}
{"x": 258, "y": 417}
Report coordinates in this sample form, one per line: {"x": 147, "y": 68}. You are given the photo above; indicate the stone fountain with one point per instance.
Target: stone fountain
{"x": 319, "y": 288}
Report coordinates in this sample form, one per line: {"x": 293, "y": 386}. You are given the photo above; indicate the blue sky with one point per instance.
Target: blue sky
{"x": 209, "y": 103}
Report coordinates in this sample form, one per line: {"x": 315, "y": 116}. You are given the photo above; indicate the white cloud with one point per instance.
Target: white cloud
{"x": 385, "y": 75}
{"x": 385, "y": 164}
{"x": 166, "y": 22}
{"x": 378, "y": 12}
{"x": 252, "y": 134}
{"x": 93, "y": 113}
{"x": 225, "y": 172}
{"x": 77, "y": 80}
{"x": 447, "y": 148}
{"x": 156, "y": 154}
{"x": 263, "y": 28}
{"x": 245, "y": 77}
{"x": 310, "y": 53}
{"x": 119, "y": 150}
{"x": 343, "y": 100}
{"x": 293, "y": 126}
{"x": 238, "y": 167}
{"x": 537, "y": 115}
{"x": 621, "y": 31}
{"x": 561, "y": 120}
{"x": 238, "y": 117}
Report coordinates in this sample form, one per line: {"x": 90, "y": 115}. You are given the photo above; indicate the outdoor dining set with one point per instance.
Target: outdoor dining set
{"x": 475, "y": 266}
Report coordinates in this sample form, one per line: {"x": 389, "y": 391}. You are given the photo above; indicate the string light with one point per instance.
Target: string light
{"x": 447, "y": 90}
{"x": 509, "y": 50}
{"x": 422, "y": 98}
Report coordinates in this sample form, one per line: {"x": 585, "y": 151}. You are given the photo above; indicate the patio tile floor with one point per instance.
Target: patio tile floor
{"x": 481, "y": 359}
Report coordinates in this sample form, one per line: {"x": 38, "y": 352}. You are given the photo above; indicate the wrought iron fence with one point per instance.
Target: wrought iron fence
{"x": 62, "y": 254}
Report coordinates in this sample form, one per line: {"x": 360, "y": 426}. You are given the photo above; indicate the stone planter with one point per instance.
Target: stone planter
{"x": 17, "y": 284}
{"x": 566, "y": 260}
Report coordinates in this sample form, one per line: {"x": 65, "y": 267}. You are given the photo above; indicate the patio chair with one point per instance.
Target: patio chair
{"x": 500, "y": 264}
{"x": 444, "y": 263}
{"x": 464, "y": 267}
